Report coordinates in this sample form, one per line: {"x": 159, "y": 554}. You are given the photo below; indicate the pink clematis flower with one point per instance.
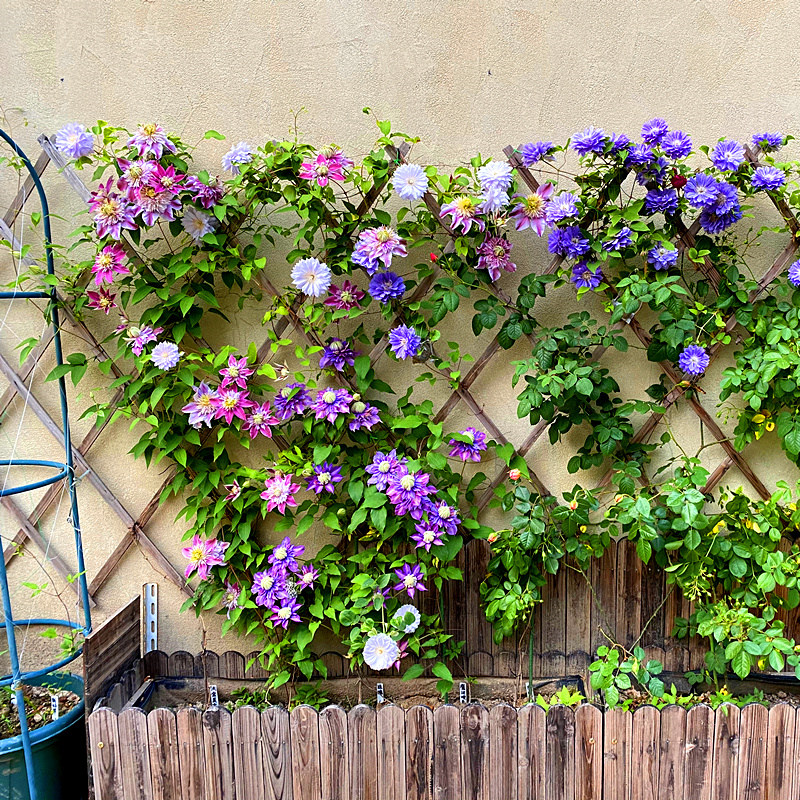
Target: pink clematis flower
{"x": 234, "y": 490}
{"x": 259, "y": 420}
{"x": 464, "y": 213}
{"x": 165, "y": 179}
{"x": 230, "y": 403}
{"x": 236, "y": 373}
{"x": 322, "y": 169}
{"x": 279, "y": 492}
{"x": 151, "y": 139}
{"x": 204, "y": 554}
{"x": 110, "y": 261}
{"x": 530, "y": 212}
{"x": 102, "y": 300}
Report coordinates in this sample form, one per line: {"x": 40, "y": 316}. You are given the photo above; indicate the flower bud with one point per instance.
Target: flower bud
{"x": 573, "y": 504}
{"x": 514, "y": 474}
{"x": 434, "y": 257}
{"x": 492, "y": 537}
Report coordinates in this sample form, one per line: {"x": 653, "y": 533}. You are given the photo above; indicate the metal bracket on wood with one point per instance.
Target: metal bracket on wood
{"x": 150, "y": 599}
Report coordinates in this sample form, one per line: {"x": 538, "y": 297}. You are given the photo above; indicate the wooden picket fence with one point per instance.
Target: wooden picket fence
{"x": 451, "y": 753}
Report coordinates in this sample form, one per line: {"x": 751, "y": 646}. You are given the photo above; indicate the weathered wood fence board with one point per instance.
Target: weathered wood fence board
{"x": 474, "y": 753}
{"x": 111, "y": 649}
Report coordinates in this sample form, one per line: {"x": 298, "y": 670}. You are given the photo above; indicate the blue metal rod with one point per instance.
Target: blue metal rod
{"x": 16, "y": 676}
{"x": 29, "y": 462}
{"x": 12, "y": 295}
{"x": 7, "y": 680}
{"x": 62, "y": 387}
{"x": 16, "y": 673}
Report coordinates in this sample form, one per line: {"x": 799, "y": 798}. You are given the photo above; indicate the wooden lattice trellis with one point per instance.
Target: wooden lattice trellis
{"x": 481, "y": 656}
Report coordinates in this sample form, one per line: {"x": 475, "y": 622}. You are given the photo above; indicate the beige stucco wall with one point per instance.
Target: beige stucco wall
{"x": 464, "y": 76}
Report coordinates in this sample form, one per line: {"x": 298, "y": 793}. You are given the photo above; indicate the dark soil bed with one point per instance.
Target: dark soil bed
{"x": 348, "y": 692}
{"x": 37, "y": 705}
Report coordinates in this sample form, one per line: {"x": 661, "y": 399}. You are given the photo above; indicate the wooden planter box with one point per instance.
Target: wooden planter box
{"x": 453, "y": 752}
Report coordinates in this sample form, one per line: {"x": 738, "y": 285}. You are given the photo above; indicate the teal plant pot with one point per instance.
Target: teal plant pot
{"x": 59, "y": 752}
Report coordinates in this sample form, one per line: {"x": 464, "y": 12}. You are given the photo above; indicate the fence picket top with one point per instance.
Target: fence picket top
{"x": 277, "y": 754}
{"x": 725, "y": 778}
{"x": 419, "y": 752}
{"x": 334, "y": 756}
{"x": 781, "y": 751}
{"x": 588, "y": 752}
{"x": 447, "y": 749}
{"x": 617, "y": 741}
{"x": 530, "y": 751}
{"x": 672, "y": 752}
{"x": 645, "y": 737}
{"x": 699, "y": 754}
{"x": 363, "y": 742}
{"x": 304, "y": 736}
{"x": 135, "y": 755}
{"x": 247, "y": 748}
{"x": 190, "y": 753}
{"x": 162, "y": 734}
{"x": 391, "y": 753}
{"x": 105, "y": 749}
{"x": 753, "y": 725}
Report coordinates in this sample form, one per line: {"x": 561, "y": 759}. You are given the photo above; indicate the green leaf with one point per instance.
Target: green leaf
{"x": 740, "y": 664}
{"x": 414, "y": 671}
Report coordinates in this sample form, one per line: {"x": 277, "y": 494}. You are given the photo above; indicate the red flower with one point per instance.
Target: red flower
{"x": 434, "y": 257}
{"x": 678, "y": 181}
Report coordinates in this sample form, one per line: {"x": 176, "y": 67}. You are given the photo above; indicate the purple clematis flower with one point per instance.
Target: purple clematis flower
{"x": 530, "y": 212}
{"x": 494, "y": 256}
{"x": 204, "y": 554}
{"x": 285, "y": 611}
{"x": 727, "y": 156}
{"x": 151, "y": 139}
{"x": 292, "y": 399}
{"x": 464, "y": 213}
{"x": 284, "y": 557}
{"x": 364, "y": 416}
{"x": 410, "y": 579}
{"x": 768, "y": 179}
{"x": 330, "y": 403}
{"x": 230, "y": 403}
{"x": 406, "y": 490}
{"x": 470, "y": 450}
{"x": 345, "y": 297}
{"x": 386, "y": 286}
{"x": 534, "y": 152}
{"x": 694, "y": 360}
{"x": 584, "y": 278}
{"x": 337, "y": 354}
{"x": 404, "y": 341}
{"x": 383, "y": 466}
{"x": 592, "y": 140}
{"x": 325, "y": 477}
{"x": 654, "y": 130}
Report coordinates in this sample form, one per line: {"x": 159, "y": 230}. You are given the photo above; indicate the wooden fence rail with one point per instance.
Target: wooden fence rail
{"x": 451, "y": 753}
